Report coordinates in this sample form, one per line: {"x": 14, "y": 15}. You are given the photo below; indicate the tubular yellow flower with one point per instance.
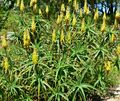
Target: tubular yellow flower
{"x": 83, "y": 25}
{"x": 117, "y": 16}
{"x": 107, "y": 65}
{"x": 68, "y": 37}
{"x": 61, "y": 16}
{"x": 67, "y": 16}
{"x": 85, "y": 7}
{"x": 74, "y": 21}
{"x": 62, "y": 36}
{"x": 26, "y": 38}
{"x": 5, "y": 64}
{"x": 35, "y": 8}
{"x": 96, "y": 15}
{"x": 18, "y": 3}
{"x": 22, "y": 7}
{"x": 118, "y": 50}
{"x": 33, "y": 26}
{"x": 76, "y": 7}
{"x": 112, "y": 38}
{"x": 40, "y": 12}
{"x": 35, "y": 56}
{"x": 74, "y": 3}
{"x": 81, "y": 12}
{"x": 103, "y": 26}
{"x": 4, "y": 42}
{"x": 69, "y": 1}
{"x": 31, "y": 3}
{"x": 54, "y": 36}
{"x": 35, "y": 1}
{"x": 104, "y": 16}
{"x": 58, "y": 19}
{"x": 115, "y": 24}
{"x": 47, "y": 9}
{"x": 62, "y": 7}
{"x": 88, "y": 11}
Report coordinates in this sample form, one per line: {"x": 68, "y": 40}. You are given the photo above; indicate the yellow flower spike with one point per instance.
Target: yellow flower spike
{"x": 104, "y": 16}
{"x": 35, "y": 8}
{"x": 61, "y": 16}
{"x": 88, "y": 11}
{"x": 31, "y": 3}
{"x": 68, "y": 37}
{"x": 5, "y": 64}
{"x": 81, "y": 12}
{"x": 62, "y": 36}
{"x": 35, "y": 56}
{"x": 117, "y": 16}
{"x": 74, "y": 21}
{"x": 18, "y": 3}
{"x": 96, "y": 15}
{"x": 4, "y": 42}
{"x": 107, "y": 65}
{"x": 118, "y": 50}
{"x": 62, "y": 7}
{"x": 35, "y": 1}
{"x": 58, "y": 19}
{"x": 40, "y": 12}
{"x": 112, "y": 38}
{"x": 22, "y": 7}
{"x": 83, "y": 25}
{"x": 103, "y": 26}
{"x": 115, "y": 24}
{"x": 67, "y": 16}
{"x": 26, "y": 38}
{"x": 74, "y": 3}
{"x": 54, "y": 36}
{"x": 33, "y": 26}
{"x": 47, "y": 9}
{"x": 69, "y": 1}
{"x": 85, "y": 7}
{"x": 76, "y": 7}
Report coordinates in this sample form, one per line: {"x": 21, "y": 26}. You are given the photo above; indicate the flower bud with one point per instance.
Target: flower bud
{"x": 18, "y": 3}
{"x": 35, "y": 56}
{"x": 54, "y": 36}
{"x": 22, "y": 7}
{"x": 58, "y": 19}
{"x": 26, "y": 38}
{"x": 62, "y": 7}
{"x": 33, "y": 26}
{"x": 118, "y": 50}
{"x": 104, "y": 16}
{"x": 103, "y": 26}
{"x": 4, "y": 42}
{"x": 68, "y": 39}
{"x": 85, "y": 7}
{"x": 40, "y": 12}
{"x": 47, "y": 9}
{"x": 117, "y": 16}
{"x": 5, "y": 64}
{"x": 81, "y": 12}
{"x": 107, "y": 65}
{"x": 96, "y": 15}
{"x": 62, "y": 36}
{"x": 83, "y": 25}
{"x": 74, "y": 21}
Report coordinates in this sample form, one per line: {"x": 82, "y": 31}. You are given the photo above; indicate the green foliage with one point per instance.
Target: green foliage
{"x": 64, "y": 71}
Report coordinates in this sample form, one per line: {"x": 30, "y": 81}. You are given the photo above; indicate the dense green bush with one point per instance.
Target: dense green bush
{"x": 66, "y": 56}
